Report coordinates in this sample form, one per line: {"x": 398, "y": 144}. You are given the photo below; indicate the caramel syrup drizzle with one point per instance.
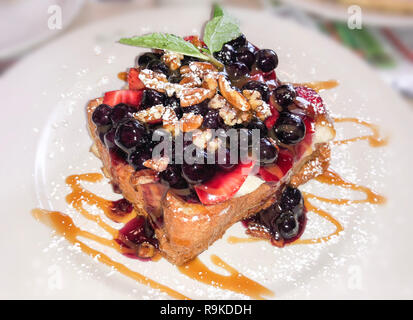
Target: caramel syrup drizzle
{"x": 195, "y": 269}
{"x": 332, "y": 178}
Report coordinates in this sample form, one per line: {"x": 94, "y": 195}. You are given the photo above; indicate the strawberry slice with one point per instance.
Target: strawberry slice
{"x": 131, "y": 97}
{"x": 195, "y": 41}
{"x": 224, "y": 185}
{"x": 276, "y": 172}
{"x": 270, "y": 121}
{"x": 133, "y": 80}
{"x": 316, "y": 105}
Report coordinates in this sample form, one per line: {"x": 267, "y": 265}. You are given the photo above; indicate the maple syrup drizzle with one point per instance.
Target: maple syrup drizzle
{"x": 235, "y": 281}
{"x": 373, "y": 139}
{"x": 320, "y": 85}
{"x": 65, "y": 226}
{"x": 123, "y": 76}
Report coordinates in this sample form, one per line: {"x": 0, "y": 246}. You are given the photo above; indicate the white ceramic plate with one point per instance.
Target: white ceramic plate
{"x": 339, "y": 12}
{"x": 44, "y": 139}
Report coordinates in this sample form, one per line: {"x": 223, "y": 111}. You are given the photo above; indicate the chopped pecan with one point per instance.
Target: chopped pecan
{"x": 201, "y": 138}
{"x": 151, "y": 115}
{"x": 190, "y": 96}
{"x": 169, "y": 119}
{"x": 200, "y": 69}
{"x": 143, "y": 177}
{"x": 153, "y": 80}
{"x": 261, "y": 108}
{"x": 158, "y": 165}
{"x": 190, "y": 122}
{"x": 234, "y": 97}
{"x": 172, "y": 59}
{"x": 217, "y": 102}
{"x": 211, "y": 84}
{"x": 232, "y": 116}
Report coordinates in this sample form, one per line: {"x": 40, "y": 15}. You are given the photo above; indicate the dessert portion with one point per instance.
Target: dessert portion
{"x": 205, "y": 135}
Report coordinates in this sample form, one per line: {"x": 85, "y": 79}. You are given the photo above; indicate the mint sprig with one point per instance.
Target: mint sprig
{"x": 219, "y": 31}
{"x": 165, "y": 41}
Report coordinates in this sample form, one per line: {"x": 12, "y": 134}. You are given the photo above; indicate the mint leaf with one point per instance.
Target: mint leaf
{"x": 220, "y": 30}
{"x": 218, "y": 11}
{"x": 165, "y": 41}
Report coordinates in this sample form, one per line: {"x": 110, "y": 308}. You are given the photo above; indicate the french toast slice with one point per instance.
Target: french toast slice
{"x": 184, "y": 229}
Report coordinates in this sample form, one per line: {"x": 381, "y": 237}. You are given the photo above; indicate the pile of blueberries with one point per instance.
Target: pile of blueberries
{"x": 286, "y": 218}
{"x": 130, "y": 140}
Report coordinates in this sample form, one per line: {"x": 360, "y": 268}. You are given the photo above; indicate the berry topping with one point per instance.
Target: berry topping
{"x": 200, "y": 109}
{"x": 130, "y": 134}
{"x": 288, "y": 225}
{"x": 212, "y": 120}
{"x": 198, "y": 172}
{"x": 258, "y": 86}
{"x": 244, "y": 55}
{"x": 224, "y": 161}
{"x": 121, "y": 112}
{"x": 152, "y": 98}
{"x": 158, "y": 66}
{"x": 226, "y": 55}
{"x": 312, "y": 97}
{"x": 285, "y": 95}
{"x": 289, "y": 128}
{"x": 291, "y": 199}
{"x": 131, "y": 97}
{"x": 268, "y": 152}
{"x": 122, "y": 206}
{"x": 238, "y": 42}
{"x": 266, "y": 60}
{"x": 223, "y": 185}
{"x": 172, "y": 176}
{"x": 146, "y": 58}
{"x": 138, "y": 157}
{"x": 237, "y": 70}
{"x": 100, "y": 116}
{"x": 258, "y": 124}
{"x": 133, "y": 80}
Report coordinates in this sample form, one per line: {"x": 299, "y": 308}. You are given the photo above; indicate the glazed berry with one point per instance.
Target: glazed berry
{"x": 100, "y": 116}
{"x": 212, "y": 120}
{"x": 226, "y": 55}
{"x": 285, "y": 95}
{"x": 245, "y": 56}
{"x": 238, "y": 42}
{"x": 289, "y": 128}
{"x": 223, "y": 161}
{"x": 197, "y": 173}
{"x": 201, "y": 108}
{"x": 266, "y": 60}
{"x": 146, "y": 58}
{"x": 237, "y": 70}
{"x": 130, "y": 134}
{"x": 258, "y": 124}
{"x": 173, "y": 177}
{"x": 138, "y": 157}
{"x": 291, "y": 199}
{"x": 137, "y": 231}
{"x": 268, "y": 152}
{"x": 173, "y": 102}
{"x": 268, "y": 217}
{"x": 288, "y": 225}
{"x": 159, "y": 67}
{"x": 122, "y": 206}
{"x": 109, "y": 138}
{"x": 258, "y": 86}
{"x": 121, "y": 112}
{"x": 152, "y": 98}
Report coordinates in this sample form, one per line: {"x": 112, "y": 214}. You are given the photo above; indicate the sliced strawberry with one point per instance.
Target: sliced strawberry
{"x": 131, "y": 97}
{"x": 195, "y": 41}
{"x": 270, "y": 121}
{"x": 316, "y": 105}
{"x": 133, "y": 79}
{"x": 224, "y": 185}
{"x": 257, "y": 77}
{"x": 276, "y": 172}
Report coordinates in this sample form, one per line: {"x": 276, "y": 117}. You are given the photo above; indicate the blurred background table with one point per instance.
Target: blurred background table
{"x": 387, "y": 48}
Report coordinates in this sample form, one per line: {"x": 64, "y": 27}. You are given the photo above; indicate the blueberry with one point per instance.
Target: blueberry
{"x": 109, "y": 139}
{"x": 122, "y": 206}
{"x": 201, "y": 108}
{"x": 238, "y": 42}
{"x": 288, "y": 225}
{"x": 285, "y": 95}
{"x": 226, "y": 55}
{"x": 100, "y": 116}
{"x": 121, "y": 112}
{"x": 258, "y": 124}
{"x": 289, "y": 128}
{"x": 245, "y": 56}
{"x": 138, "y": 157}
{"x": 266, "y": 60}
{"x": 291, "y": 199}
{"x": 146, "y": 58}
{"x": 237, "y": 70}
{"x": 223, "y": 162}
{"x": 152, "y": 98}
{"x": 268, "y": 217}
{"x": 173, "y": 177}
{"x": 212, "y": 120}
{"x": 197, "y": 173}
{"x": 130, "y": 134}
{"x": 173, "y": 102}
{"x": 158, "y": 66}
{"x": 258, "y": 86}
{"x": 268, "y": 152}
{"x": 188, "y": 59}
